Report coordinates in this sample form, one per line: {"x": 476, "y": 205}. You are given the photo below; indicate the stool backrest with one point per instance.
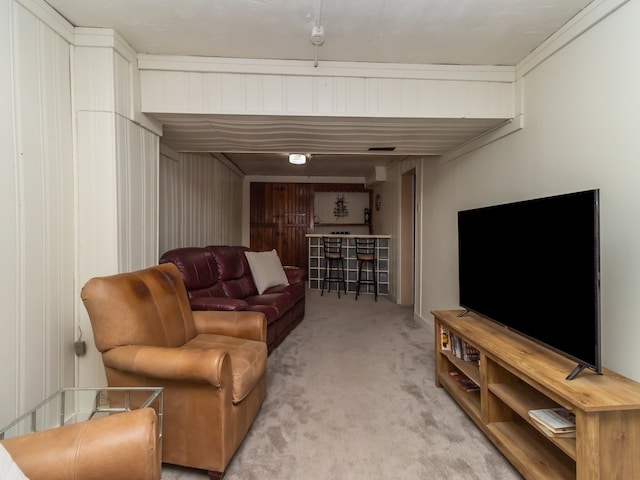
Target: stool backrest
{"x": 332, "y": 246}
{"x": 366, "y": 246}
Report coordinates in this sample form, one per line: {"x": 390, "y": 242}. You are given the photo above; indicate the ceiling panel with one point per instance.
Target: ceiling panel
{"x": 459, "y": 32}
{"x": 258, "y": 145}
{"x": 451, "y": 32}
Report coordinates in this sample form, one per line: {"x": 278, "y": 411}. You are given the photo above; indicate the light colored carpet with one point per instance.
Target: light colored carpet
{"x": 351, "y": 395}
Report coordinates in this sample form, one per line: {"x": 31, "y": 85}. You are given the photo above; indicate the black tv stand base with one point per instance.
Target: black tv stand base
{"x": 576, "y": 371}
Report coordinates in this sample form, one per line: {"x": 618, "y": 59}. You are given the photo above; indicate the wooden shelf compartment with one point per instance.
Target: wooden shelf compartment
{"x": 521, "y": 398}
{"x": 529, "y": 452}
{"x": 323, "y": 224}
{"x": 469, "y": 368}
{"x": 469, "y": 401}
{"x": 515, "y": 376}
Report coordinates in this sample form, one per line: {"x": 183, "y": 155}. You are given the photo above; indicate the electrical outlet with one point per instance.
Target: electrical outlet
{"x": 80, "y": 347}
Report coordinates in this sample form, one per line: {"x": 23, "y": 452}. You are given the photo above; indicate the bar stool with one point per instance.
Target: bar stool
{"x": 333, "y": 263}
{"x": 366, "y": 254}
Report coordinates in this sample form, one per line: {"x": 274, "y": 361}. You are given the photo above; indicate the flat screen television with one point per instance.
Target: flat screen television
{"x": 534, "y": 267}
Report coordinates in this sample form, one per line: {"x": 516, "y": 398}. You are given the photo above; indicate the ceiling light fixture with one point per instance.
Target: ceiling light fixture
{"x": 317, "y": 35}
{"x": 297, "y": 158}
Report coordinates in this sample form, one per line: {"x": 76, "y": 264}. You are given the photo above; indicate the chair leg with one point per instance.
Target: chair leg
{"x": 375, "y": 280}
{"x": 359, "y": 278}
{"x": 326, "y": 274}
{"x": 215, "y": 475}
{"x": 334, "y": 273}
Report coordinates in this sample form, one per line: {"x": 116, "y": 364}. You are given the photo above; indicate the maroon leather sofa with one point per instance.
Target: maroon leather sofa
{"x": 219, "y": 278}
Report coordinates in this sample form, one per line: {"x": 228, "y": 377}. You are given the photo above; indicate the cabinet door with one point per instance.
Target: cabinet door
{"x": 280, "y": 218}
{"x": 263, "y": 238}
{"x": 262, "y": 207}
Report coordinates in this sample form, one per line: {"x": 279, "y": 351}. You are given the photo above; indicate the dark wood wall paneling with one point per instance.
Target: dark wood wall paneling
{"x": 281, "y": 214}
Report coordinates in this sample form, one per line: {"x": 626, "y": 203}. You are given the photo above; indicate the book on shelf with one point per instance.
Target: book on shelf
{"x": 463, "y": 381}
{"x": 551, "y": 433}
{"x": 456, "y": 345}
{"x": 463, "y": 350}
{"x": 469, "y": 353}
{"x": 555, "y": 421}
{"x": 445, "y": 343}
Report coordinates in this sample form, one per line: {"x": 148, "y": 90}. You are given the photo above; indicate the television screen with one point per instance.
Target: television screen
{"x": 534, "y": 267}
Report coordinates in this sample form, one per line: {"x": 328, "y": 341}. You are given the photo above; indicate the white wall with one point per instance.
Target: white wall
{"x": 200, "y": 201}
{"x": 387, "y": 221}
{"x": 355, "y": 202}
{"x": 36, "y": 201}
{"x": 117, "y": 151}
{"x": 582, "y": 115}
{"x": 79, "y": 192}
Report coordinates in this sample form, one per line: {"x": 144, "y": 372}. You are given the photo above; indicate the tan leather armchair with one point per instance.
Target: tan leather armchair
{"x": 124, "y": 445}
{"x": 212, "y": 364}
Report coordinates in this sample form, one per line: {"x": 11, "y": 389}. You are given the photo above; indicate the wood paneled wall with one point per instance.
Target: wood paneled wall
{"x": 200, "y": 201}
{"x": 117, "y": 173}
{"x": 281, "y": 214}
{"x": 137, "y": 180}
{"x": 37, "y": 205}
{"x": 210, "y": 85}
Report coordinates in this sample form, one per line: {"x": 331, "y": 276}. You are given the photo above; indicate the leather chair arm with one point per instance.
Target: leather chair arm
{"x": 117, "y": 446}
{"x": 243, "y": 324}
{"x": 175, "y": 364}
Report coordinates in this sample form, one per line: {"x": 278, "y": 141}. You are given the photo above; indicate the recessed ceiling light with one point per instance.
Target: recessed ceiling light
{"x": 297, "y": 158}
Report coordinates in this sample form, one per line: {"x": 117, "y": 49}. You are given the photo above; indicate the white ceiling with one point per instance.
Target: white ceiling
{"x": 468, "y": 32}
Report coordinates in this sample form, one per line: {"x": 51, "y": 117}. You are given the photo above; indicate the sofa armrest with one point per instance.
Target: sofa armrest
{"x": 295, "y": 274}
{"x": 218, "y": 303}
{"x": 199, "y": 365}
{"x": 250, "y": 325}
{"x": 117, "y": 446}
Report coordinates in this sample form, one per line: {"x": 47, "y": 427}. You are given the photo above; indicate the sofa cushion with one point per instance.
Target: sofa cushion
{"x": 280, "y": 301}
{"x": 248, "y": 360}
{"x": 218, "y": 303}
{"x": 240, "y": 288}
{"x": 266, "y": 269}
{"x": 233, "y": 271}
{"x": 269, "y": 312}
{"x": 230, "y": 261}
{"x": 196, "y": 265}
{"x": 215, "y": 290}
{"x": 295, "y": 290}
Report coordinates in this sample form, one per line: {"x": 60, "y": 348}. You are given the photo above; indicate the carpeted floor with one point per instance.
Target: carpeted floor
{"x": 351, "y": 396}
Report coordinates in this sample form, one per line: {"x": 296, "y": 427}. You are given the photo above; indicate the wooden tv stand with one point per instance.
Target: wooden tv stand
{"x": 516, "y": 375}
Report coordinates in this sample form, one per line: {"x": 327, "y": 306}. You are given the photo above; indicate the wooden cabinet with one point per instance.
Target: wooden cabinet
{"x": 280, "y": 217}
{"x": 516, "y": 375}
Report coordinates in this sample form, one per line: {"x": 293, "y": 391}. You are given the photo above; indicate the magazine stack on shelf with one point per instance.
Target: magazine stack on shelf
{"x": 555, "y": 421}
{"x": 463, "y": 381}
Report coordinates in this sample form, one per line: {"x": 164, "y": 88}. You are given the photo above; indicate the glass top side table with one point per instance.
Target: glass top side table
{"x": 74, "y": 405}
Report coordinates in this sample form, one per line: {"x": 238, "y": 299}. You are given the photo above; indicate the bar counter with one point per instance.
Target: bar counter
{"x": 316, "y": 262}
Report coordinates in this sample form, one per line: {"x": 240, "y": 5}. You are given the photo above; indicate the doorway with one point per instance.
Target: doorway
{"x": 407, "y": 236}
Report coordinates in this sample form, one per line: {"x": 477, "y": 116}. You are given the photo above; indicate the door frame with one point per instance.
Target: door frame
{"x": 407, "y": 237}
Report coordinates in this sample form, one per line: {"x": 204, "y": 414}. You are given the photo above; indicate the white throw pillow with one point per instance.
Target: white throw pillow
{"x": 8, "y": 468}
{"x": 266, "y": 269}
